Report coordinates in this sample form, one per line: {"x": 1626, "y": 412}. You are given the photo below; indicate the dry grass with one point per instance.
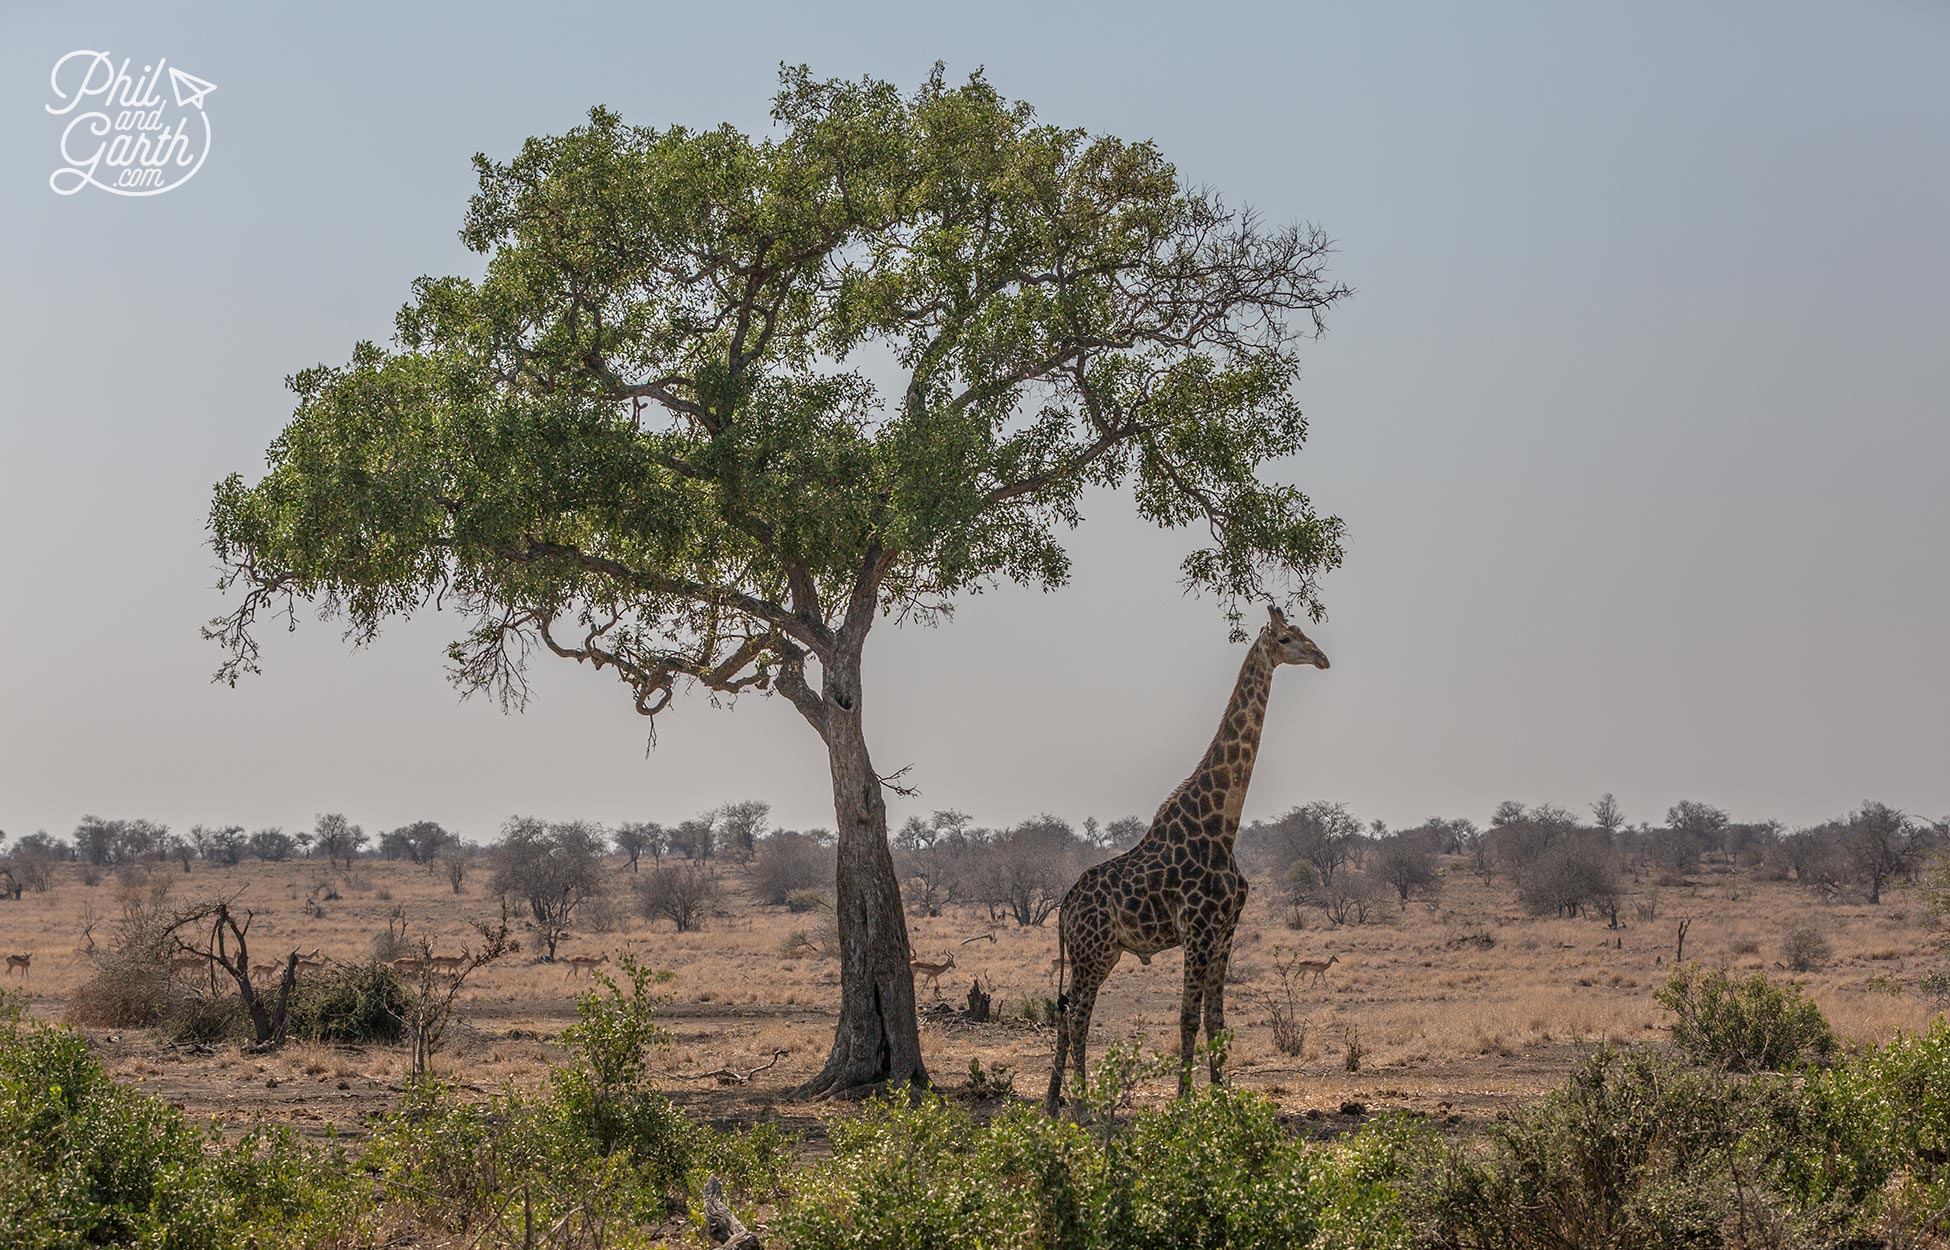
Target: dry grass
{"x": 1448, "y": 1024}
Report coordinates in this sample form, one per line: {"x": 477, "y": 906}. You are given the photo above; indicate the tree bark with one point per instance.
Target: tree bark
{"x": 877, "y": 1042}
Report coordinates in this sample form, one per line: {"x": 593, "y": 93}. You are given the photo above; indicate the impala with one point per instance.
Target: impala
{"x": 932, "y": 972}
{"x": 1317, "y": 967}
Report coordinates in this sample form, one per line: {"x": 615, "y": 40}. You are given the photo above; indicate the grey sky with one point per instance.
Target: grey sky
{"x": 1638, "y": 420}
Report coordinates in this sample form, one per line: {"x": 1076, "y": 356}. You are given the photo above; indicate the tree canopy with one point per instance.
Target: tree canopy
{"x": 645, "y": 436}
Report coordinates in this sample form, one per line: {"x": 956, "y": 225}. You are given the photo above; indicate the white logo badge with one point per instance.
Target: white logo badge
{"x": 133, "y": 140}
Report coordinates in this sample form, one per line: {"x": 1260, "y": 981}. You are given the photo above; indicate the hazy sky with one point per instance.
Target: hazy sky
{"x": 1638, "y": 420}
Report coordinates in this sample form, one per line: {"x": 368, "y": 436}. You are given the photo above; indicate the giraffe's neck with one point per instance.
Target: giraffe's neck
{"x": 1227, "y": 768}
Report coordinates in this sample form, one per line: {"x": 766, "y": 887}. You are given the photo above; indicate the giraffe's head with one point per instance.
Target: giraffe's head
{"x": 1290, "y": 646}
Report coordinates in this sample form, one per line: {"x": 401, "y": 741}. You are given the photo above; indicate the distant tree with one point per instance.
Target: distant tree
{"x": 420, "y": 842}
{"x": 1607, "y": 814}
{"x": 44, "y": 845}
{"x": 683, "y": 894}
{"x": 1750, "y": 842}
{"x": 98, "y": 841}
{"x": 695, "y": 839}
{"x": 1322, "y": 833}
{"x": 304, "y": 840}
{"x": 1516, "y": 841}
{"x": 633, "y": 838}
{"x": 1508, "y": 812}
{"x": 1577, "y": 874}
{"x": 200, "y": 840}
{"x": 337, "y": 838}
{"x": 1350, "y": 897}
{"x": 1673, "y": 848}
{"x": 786, "y": 862}
{"x": 1125, "y": 832}
{"x": 740, "y": 825}
{"x": 273, "y": 845}
{"x": 929, "y": 859}
{"x": 458, "y": 858}
{"x": 1705, "y": 824}
{"x": 916, "y": 834}
{"x": 227, "y": 845}
{"x": 1810, "y": 856}
{"x": 1405, "y": 862}
{"x": 1022, "y": 872}
{"x": 178, "y": 847}
{"x": 1446, "y": 837}
{"x": 552, "y": 869}
{"x": 1880, "y": 843}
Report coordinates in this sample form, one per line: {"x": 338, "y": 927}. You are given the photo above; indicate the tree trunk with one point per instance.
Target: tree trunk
{"x": 878, "y": 1041}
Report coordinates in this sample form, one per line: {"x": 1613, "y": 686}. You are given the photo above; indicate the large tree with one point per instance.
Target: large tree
{"x": 645, "y": 437}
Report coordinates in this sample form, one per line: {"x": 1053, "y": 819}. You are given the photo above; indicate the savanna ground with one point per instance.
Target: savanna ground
{"x": 1458, "y": 1008}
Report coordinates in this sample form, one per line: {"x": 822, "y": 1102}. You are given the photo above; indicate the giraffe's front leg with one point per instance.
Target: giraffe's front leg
{"x": 1215, "y": 1011}
{"x": 1215, "y": 979}
{"x": 1188, "y": 1008}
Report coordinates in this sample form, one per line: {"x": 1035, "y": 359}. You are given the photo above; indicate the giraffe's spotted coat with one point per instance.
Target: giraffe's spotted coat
{"x": 1179, "y": 886}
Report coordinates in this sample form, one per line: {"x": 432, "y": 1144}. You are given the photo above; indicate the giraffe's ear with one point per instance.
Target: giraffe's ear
{"x": 1279, "y": 617}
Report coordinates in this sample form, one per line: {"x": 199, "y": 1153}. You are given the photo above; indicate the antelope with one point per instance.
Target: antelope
{"x": 445, "y": 963}
{"x": 932, "y": 972}
{"x": 263, "y": 970}
{"x": 187, "y": 963}
{"x": 405, "y": 963}
{"x": 22, "y": 962}
{"x": 583, "y": 963}
{"x": 1316, "y": 967}
{"x": 313, "y": 960}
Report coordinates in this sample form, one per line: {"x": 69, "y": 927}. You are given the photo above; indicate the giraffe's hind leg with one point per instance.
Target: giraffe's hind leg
{"x": 1090, "y": 977}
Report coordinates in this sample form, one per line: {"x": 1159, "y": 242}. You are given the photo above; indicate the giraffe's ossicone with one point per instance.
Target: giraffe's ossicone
{"x": 1179, "y": 886}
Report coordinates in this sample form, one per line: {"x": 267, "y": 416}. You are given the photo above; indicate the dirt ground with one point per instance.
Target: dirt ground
{"x": 1458, "y": 1007}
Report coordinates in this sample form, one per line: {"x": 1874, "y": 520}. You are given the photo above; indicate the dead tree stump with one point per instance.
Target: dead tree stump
{"x": 978, "y": 1004}
{"x": 721, "y": 1226}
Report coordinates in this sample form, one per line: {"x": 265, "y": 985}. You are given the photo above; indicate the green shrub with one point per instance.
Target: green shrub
{"x": 1375, "y": 1188}
{"x": 90, "y": 1162}
{"x": 1744, "y": 1025}
{"x": 1216, "y": 1170}
{"x": 903, "y": 1177}
{"x": 1908, "y": 1084}
{"x": 349, "y": 1004}
{"x": 1634, "y": 1152}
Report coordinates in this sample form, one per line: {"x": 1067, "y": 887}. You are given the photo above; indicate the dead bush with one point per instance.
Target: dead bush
{"x": 1804, "y": 948}
{"x": 799, "y": 902}
{"x": 683, "y": 894}
{"x": 1283, "y": 1007}
{"x": 130, "y": 985}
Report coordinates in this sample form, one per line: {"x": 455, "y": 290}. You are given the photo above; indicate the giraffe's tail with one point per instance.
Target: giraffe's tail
{"x": 1061, "y": 1017}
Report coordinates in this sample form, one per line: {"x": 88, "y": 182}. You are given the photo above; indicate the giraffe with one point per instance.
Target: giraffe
{"x": 1179, "y": 886}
